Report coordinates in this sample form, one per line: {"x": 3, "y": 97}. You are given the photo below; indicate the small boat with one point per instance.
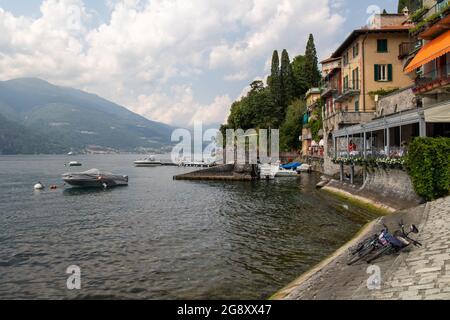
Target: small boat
{"x": 95, "y": 178}
{"x": 148, "y": 162}
{"x": 74, "y": 164}
{"x": 268, "y": 171}
{"x": 291, "y": 166}
{"x": 197, "y": 164}
{"x": 71, "y": 153}
{"x": 286, "y": 173}
{"x": 304, "y": 168}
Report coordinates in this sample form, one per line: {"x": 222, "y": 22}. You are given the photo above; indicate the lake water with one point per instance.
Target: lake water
{"x": 159, "y": 238}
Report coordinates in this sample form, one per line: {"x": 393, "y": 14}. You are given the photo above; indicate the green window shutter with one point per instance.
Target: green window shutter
{"x": 389, "y": 72}
{"x": 382, "y": 45}
{"x": 377, "y": 72}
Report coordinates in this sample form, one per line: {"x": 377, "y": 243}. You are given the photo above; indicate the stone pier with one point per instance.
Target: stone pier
{"x": 228, "y": 172}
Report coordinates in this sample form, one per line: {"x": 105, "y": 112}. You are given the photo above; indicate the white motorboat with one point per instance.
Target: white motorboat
{"x": 75, "y": 164}
{"x": 304, "y": 168}
{"x": 148, "y": 162}
{"x": 286, "y": 173}
{"x": 211, "y": 162}
{"x": 268, "y": 171}
{"x": 95, "y": 178}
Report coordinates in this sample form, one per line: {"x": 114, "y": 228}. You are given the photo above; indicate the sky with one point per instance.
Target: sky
{"x": 173, "y": 61}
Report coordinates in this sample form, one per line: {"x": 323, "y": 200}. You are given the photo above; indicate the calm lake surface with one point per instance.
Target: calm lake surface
{"x": 159, "y": 238}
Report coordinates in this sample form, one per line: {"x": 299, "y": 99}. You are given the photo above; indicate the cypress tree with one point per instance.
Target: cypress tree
{"x": 274, "y": 80}
{"x": 287, "y": 79}
{"x": 312, "y": 73}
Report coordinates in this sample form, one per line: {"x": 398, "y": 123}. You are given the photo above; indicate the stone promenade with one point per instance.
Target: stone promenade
{"x": 416, "y": 273}
{"x": 424, "y": 273}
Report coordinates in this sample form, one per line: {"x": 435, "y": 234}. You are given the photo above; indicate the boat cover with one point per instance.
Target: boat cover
{"x": 291, "y": 166}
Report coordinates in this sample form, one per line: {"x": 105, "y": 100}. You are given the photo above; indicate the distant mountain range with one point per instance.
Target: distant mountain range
{"x": 38, "y": 117}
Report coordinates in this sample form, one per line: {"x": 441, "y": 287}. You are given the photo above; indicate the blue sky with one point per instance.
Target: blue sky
{"x": 174, "y": 61}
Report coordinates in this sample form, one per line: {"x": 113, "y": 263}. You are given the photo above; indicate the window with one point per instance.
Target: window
{"x": 382, "y": 45}
{"x": 355, "y": 50}
{"x": 345, "y": 83}
{"x": 355, "y": 75}
{"x": 357, "y": 104}
{"x": 383, "y": 72}
{"x": 346, "y": 58}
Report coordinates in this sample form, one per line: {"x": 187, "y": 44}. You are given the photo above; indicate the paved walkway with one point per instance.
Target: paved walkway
{"x": 420, "y": 273}
{"x": 424, "y": 273}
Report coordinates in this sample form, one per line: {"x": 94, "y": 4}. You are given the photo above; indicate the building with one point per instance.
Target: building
{"x": 420, "y": 108}
{"x": 309, "y": 146}
{"x": 366, "y": 65}
{"x": 430, "y": 65}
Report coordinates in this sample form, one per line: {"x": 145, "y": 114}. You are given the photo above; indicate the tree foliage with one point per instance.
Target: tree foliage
{"x": 287, "y": 80}
{"x": 274, "y": 80}
{"x": 312, "y": 73}
{"x": 279, "y": 105}
{"x": 299, "y": 71}
{"x": 292, "y": 126}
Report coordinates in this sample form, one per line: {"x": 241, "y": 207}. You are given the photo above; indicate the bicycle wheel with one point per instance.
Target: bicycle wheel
{"x": 362, "y": 245}
{"x": 361, "y": 254}
{"x": 379, "y": 253}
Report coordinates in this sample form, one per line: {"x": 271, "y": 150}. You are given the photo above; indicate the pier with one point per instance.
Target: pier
{"x": 227, "y": 172}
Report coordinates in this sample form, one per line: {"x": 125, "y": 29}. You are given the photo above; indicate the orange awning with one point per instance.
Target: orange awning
{"x": 432, "y": 50}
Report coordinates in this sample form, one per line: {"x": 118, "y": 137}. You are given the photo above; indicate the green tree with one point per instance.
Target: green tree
{"x": 312, "y": 73}
{"x": 255, "y": 110}
{"x": 298, "y": 69}
{"x": 292, "y": 126}
{"x": 287, "y": 81}
{"x": 274, "y": 80}
{"x": 412, "y": 5}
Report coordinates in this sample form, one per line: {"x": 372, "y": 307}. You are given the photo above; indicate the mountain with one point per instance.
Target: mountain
{"x": 16, "y": 139}
{"x": 67, "y": 119}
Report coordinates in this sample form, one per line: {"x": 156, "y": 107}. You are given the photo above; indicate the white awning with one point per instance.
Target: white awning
{"x": 438, "y": 114}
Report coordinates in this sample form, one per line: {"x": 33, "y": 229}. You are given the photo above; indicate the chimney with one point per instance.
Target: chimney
{"x": 406, "y": 11}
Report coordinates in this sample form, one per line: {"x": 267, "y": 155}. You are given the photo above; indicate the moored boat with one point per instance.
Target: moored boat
{"x": 148, "y": 162}
{"x": 95, "y": 178}
{"x": 75, "y": 164}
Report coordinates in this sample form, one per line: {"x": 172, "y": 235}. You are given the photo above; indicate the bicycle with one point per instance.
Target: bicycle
{"x": 395, "y": 243}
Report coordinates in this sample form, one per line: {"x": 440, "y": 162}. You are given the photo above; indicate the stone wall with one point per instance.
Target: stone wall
{"x": 391, "y": 184}
{"x": 402, "y": 100}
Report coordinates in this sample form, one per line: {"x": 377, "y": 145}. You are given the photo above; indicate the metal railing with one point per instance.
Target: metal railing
{"x": 442, "y": 72}
{"x": 406, "y": 48}
{"x": 352, "y": 85}
{"x": 329, "y": 86}
{"x": 437, "y": 8}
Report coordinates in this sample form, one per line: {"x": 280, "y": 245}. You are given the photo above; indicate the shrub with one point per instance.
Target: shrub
{"x": 419, "y": 14}
{"x": 428, "y": 164}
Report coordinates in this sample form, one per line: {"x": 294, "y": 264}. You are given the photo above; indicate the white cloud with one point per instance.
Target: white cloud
{"x": 239, "y": 76}
{"x": 179, "y": 107}
{"x": 152, "y": 55}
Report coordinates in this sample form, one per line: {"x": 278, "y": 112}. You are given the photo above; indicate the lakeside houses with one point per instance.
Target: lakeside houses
{"x": 310, "y": 147}
{"x": 386, "y": 84}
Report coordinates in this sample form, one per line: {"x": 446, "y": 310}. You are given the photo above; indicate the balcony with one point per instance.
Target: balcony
{"x": 435, "y": 21}
{"x": 433, "y": 81}
{"x": 350, "y": 90}
{"x": 329, "y": 89}
{"x": 407, "y": 48}
{"x": 338, "y": 120}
